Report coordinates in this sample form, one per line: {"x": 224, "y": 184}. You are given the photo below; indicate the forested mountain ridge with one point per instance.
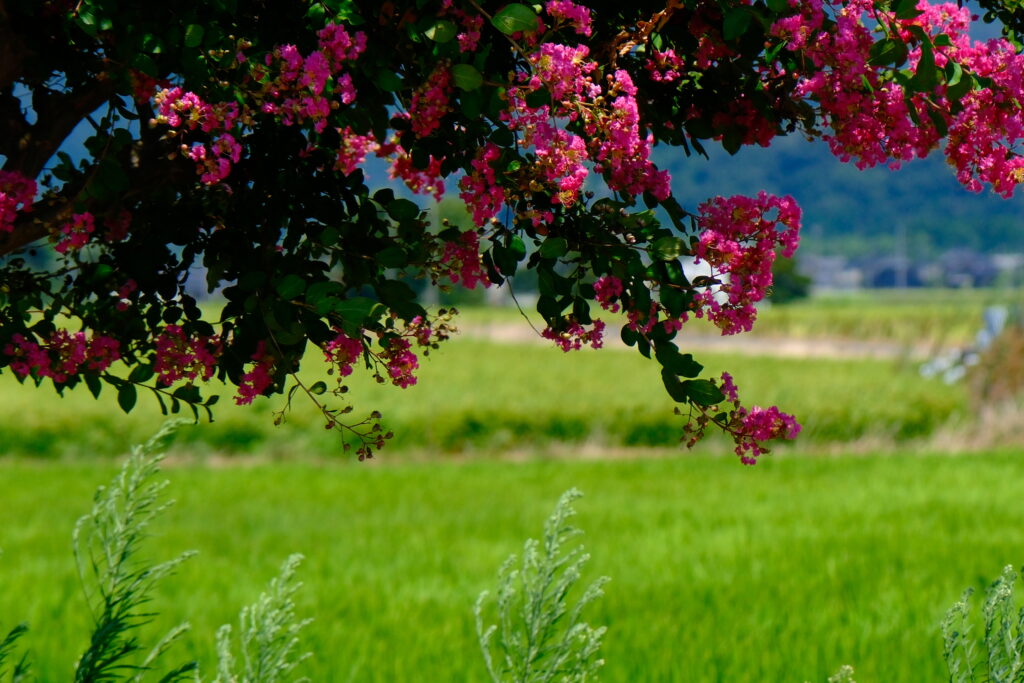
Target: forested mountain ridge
{"x": 853, "y": 212}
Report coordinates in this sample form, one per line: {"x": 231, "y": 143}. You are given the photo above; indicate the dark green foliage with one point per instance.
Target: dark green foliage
{"x": 790, "y": 284}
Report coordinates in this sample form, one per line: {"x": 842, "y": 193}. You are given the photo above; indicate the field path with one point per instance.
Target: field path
{"x": 782, "y": 347}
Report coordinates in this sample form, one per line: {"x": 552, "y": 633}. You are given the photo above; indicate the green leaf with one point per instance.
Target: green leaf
{"x": 954, "y": 72}
{"x": 673, "y": 386}
{"x": 141, "y": 373}
{"x": 889, "y": 51}
{"x": 126, "y": 397}
{"x": 193, "y": 35}
{"x": 517, "y": 247}
{"x": 188, "y": 393}
{"x": 354, "y": 310}
{"x": 94, "y": 384}
{"x": 392, "y": 257}
{"x": 290, "y": 286}
{"x": 467, "y": 77}
{"x": 443, "y": 31}
{"x": 669, "y": 248}
{"x": 778, "y": 6}
{"x": 554, "y": 247}
{"x": 388, "y": 81}
{"x": 628, "y": 335}
{"x": 703, "y": 391}
{"x": 906, "y": 9}
{"x": 145, "y": 64}
{"x": 394, "y": 291}
{"x": 549, "y": 307}
{"x": 403, "y": 210}
{"x": 957, "y": 90}
{"x": 938, "y": 121}
{"x": 318, "y": 388}
{"x": 514, "y": 18}
{"x": 321, "y": 295}
{"x": 927, "y": 75}
{"x": 736, "y": 23}
{"x": 681, "y": 364}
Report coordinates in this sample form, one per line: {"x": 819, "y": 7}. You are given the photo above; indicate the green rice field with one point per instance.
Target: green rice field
{"x": 779, "y": 572}
{"x": 480, "y": 397}
{"x": 845, "y": 548}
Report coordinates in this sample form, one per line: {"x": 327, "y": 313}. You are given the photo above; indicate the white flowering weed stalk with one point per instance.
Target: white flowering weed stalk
{"x": 118, "y": 584}
{"x": 998, "y": 655}
{"x": 539, "y": 636}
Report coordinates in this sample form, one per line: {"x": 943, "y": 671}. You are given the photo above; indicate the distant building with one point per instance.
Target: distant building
{"x": 830, "y": 272}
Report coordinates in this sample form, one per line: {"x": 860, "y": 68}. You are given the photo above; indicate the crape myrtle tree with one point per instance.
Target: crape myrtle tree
{"x": 234, "y": 135}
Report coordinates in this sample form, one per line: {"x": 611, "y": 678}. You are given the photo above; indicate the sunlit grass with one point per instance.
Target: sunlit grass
{"x": 479, "y": 396}
{"x": 780, "y": 572}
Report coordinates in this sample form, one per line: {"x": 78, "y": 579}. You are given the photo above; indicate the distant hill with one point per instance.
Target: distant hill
{"x": 852, "y": 212}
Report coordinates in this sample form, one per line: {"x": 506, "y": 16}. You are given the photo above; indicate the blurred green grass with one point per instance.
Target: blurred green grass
{"x": 479, "y": 396}
{"x": 912, "y": 317}
{"x": 780, "y": 572}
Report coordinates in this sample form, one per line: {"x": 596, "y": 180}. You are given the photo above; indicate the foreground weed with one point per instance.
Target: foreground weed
{"x": 269, "y": 634}
{"x": 117, "y": 583}
{"x": 540, "y": 637}
{"x": 21, "y": 668}
{"x": 1001, "y": 656}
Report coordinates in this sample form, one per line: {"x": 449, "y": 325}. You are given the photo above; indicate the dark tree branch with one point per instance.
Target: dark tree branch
{"x": 13, "y": 126}
{"x": 13, "y": 50}
{"x": 147, "y": 168}
{"x": 58, "y": 114}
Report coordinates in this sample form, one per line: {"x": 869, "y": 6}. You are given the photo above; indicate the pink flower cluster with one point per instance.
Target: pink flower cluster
{"x": 354, "y": 150}
{"x": 575, "y": 335}
{"x": 143, "y": 85}
{"x": 420, "y": 181}
{"x": 577, "y": 16}
{"x": 471, "y": 23}
{"x": 16, "y": 194}
{"x": 124, "y": 294}
{"x": 257, "y": 380}
{"x": 703, "y": 26}
{"x": 431, "y": 101}
{"x": 293, "y": 87}
{"x": 624, "y": 154}
{"x": 118, "y": 225}
{"x": 752, "y": 428}
{"x": 339, "y": 47}
{"x": 186, "y": 110}
{"x": 738, "y": 239}
{"x": 869, "y": 114}
{"x": 213, "y": 163}
{"x": 560, "y": 155}
{"x": 665, "y": 67}
{"x": 179, "y": 109}
{"x": 343, "y": 352}
{"x": 480, "y": 189}
{"x": 401, "y": 362}
{"x": 870, "y": 119}
{"x": 741, "y": 113}
{"x": 75, "y": 233}
{"x": 643, "y": 321}
{"x": 61, "y": 356}
{"x": 986, "y": 135}
{"x": 461, "y": 259}
{"x": 181, "y": 357}
{"x": 607, "y": 289}
{"x": 298, "y": 91}
{"x": 615, "y": 140}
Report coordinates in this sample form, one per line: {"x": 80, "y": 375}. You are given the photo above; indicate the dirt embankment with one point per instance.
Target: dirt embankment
{"x": 521, "y": 333}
